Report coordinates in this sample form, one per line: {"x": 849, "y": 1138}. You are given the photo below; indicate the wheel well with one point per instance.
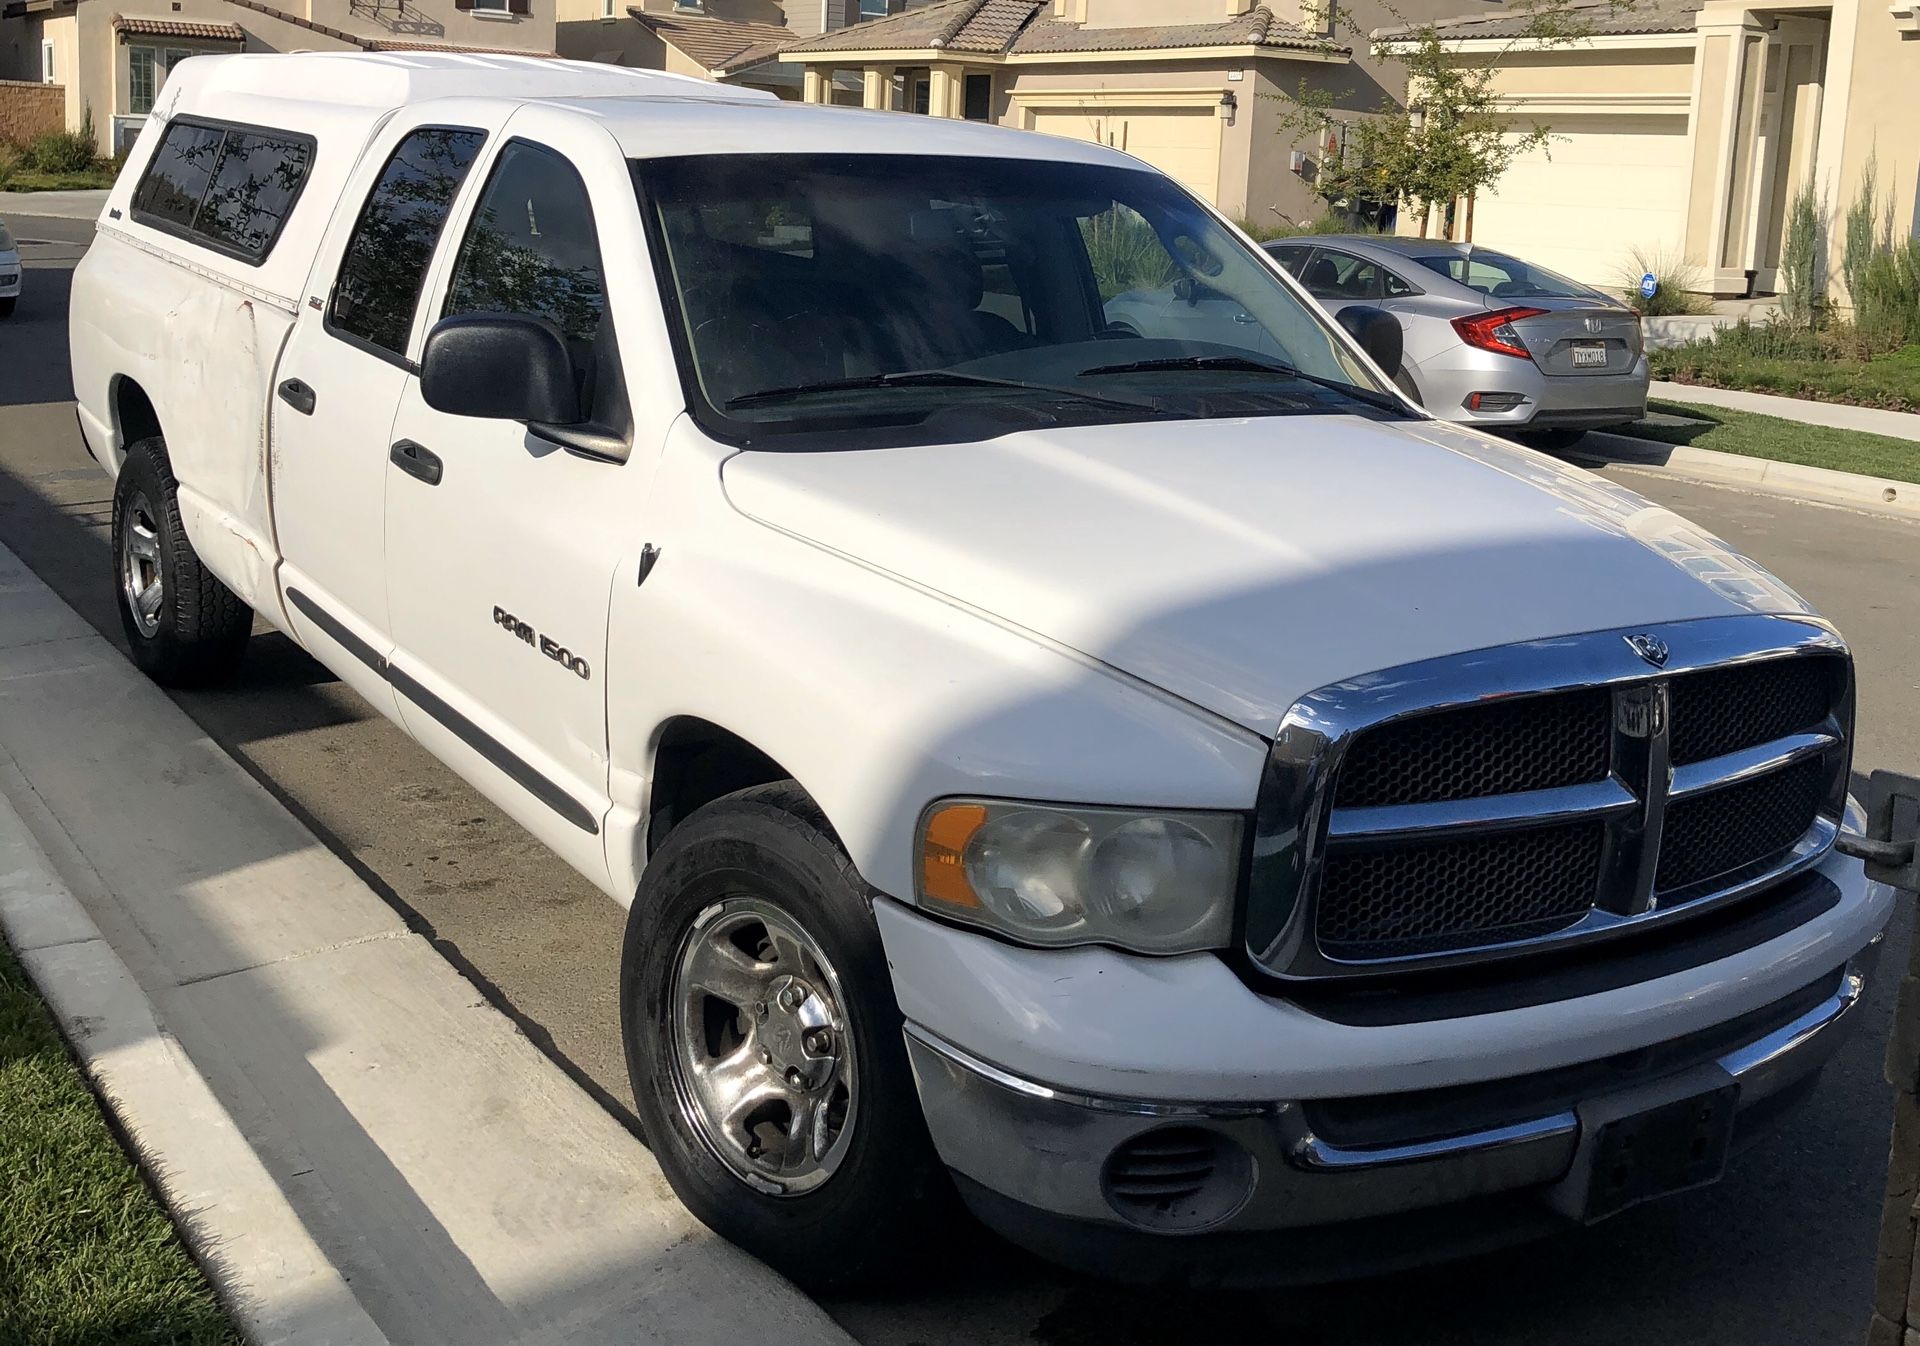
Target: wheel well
{"x": 133, "y": 412}
{"x": 696, "y": 763}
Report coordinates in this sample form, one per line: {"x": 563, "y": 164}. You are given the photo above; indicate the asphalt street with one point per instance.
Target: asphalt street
{"x": 1779, "y": 1254}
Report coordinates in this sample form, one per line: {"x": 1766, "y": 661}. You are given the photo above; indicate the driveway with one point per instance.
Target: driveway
{"x": 1780, "y": 1254}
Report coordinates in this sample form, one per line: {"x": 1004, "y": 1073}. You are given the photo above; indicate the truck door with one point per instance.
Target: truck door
{"x": 336, "y": 388}
{"x": 502, "y": 547}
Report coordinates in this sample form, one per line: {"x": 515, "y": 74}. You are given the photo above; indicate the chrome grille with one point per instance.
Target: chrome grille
{"x": 1722, "y": 831}
{"x": 1536, "y": 743}
{"x": 1402, "y": 900}
{"x": 1422, "y": 817}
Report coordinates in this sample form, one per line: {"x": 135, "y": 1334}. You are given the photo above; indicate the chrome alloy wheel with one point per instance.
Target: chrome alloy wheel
{"x": 762, "y": 1053}
{"x": 141, "y": 581}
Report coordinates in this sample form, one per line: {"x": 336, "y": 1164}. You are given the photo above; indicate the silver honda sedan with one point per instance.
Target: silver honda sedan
{"x": 1491, "y": 340}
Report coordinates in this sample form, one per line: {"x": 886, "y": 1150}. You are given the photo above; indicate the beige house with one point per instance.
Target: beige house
{"x": 1197, "y": 87}
{"x": 1684, "y": 126}
{"x": 112, "y": 56}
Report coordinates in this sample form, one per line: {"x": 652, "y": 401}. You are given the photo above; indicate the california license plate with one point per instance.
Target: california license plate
{"x": 1588, "y": 353}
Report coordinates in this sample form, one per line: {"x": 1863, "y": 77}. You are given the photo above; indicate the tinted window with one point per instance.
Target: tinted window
{"x": 531, "y": 247}
{"x": 386, "y": 259}
{"x": 1397, "y": 288}
{"x": 169, "y": 193}
{"x": 229, "y": 188}
{"x": 1499, "y": 276}
{"x": 252, "y": 190}
{"x": 1341, "y": 275}
{"x": 1290, "y": 258}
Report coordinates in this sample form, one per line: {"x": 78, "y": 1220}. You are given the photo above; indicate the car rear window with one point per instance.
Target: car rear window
{"x": 228, "y": 188}
{"x": 1499, "y": 276}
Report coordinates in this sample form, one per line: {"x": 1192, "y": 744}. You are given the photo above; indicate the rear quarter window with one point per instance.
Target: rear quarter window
{"x": 225, "y": 187}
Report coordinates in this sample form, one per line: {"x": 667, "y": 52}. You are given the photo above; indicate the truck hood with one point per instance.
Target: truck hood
{"x": 1242, "y": 564}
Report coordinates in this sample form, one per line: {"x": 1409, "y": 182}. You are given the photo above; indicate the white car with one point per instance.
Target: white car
{"x": 11, "y": 272}
{"x": 1170, "y": 790}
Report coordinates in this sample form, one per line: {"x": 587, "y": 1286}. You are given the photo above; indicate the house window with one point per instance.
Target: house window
{"x": 47, "y": 75}
{"x": 147, "y": 71}
{"x": 491, "y": 6}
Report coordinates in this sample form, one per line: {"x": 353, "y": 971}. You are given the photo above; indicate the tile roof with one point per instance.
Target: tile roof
{"x": 205, "y": 32}
{"x": 717, "y": 44}
{"x": 1603, "y": 18}
{"x": 1015, "y": 27}
{"x": 1256, "y": 28}
{"x": 375, "y": 43}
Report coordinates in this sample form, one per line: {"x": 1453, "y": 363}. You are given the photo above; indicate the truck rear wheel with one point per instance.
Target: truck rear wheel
{"x": 764, "y": 1045}
{"x": 184, "y": 627}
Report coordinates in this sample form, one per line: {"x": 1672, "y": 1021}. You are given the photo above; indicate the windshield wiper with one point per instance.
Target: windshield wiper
{"x": 1245, "y": 364}
{"x": 936, "y": 378}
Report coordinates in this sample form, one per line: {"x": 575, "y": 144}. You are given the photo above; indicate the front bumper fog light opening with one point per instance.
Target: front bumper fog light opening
{"x": 1178, "y": 1180}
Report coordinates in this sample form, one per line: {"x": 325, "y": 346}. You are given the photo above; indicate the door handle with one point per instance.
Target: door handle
{"x": 298, "y": 396}
{"x": 417, "y": 461}
{"x": 1245, "y": 319}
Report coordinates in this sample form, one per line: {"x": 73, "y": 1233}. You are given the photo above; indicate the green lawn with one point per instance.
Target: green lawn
{"x": 1891, "y": 381}
{"x": 87, "y": 1255}
{"x": 1754, "y": 436}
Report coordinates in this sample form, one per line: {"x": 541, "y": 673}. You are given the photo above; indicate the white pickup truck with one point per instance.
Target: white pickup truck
{"x": 1218, "y": 820}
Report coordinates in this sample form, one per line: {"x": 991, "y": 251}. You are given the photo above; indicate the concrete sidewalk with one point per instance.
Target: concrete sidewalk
{"x": 1898, "y": 424}
{"x": 361, "y": 1148}
{"x": 80, "y": 205}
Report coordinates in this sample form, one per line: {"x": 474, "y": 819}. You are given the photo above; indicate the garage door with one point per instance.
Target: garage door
{"x": 1604, "y": 186}
{"x": 1183, "y": 143}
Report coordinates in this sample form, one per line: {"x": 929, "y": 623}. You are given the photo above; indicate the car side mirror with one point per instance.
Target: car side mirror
{"x": 1378, "y": 332}
{"x": 501, "y": 367}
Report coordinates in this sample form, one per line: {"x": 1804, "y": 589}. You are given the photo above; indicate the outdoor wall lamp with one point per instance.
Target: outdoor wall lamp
{"x": 1229, "y": 106}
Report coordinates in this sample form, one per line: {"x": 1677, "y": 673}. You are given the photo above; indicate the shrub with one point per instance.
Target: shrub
{"x": 1126, "y": 254}
{"x": 1886, "y": 297}
{"x": 1682, "y": 288}
{"x": 1802, "y": 284}
{"x": 9, "y": 165}
{"x": 59, "y": 152}
{"x": 1331, "y": 223}
{"x": 1868, "y": 232}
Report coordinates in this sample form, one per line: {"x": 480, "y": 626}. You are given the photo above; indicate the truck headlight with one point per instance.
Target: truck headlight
{"x": 1152, "y": 881}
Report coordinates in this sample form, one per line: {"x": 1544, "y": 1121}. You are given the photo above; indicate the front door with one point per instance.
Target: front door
{"x": 337, "y": 386}
{"x": 502, "y": 554}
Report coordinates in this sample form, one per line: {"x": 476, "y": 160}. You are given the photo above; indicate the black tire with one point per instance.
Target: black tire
{"x": 1551, "y": 441}
{"x": 889, "y": 1200}
{"x": 6, "y": 305}
{"x": 198, "y": 635}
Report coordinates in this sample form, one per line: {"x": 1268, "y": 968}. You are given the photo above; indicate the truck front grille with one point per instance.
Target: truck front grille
{"x": 1520, "y": 816}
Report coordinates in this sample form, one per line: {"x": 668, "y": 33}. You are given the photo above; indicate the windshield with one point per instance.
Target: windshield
{"x": 895, "y": 299}
{"x": 1499, "y": 276}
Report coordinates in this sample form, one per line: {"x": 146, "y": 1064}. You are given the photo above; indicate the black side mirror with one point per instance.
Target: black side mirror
{"x": 1378, "y": 332}
{"x": 500, "y": 367}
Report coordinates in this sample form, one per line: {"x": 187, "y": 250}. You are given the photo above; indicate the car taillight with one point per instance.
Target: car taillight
{"x": 1494, "y": 331}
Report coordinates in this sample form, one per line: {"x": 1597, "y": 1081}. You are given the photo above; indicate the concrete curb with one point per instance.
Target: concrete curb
{"x": 1847, "y": 490}
{"x": 366, "y": 1148}
{"x": 272, "y": 1277}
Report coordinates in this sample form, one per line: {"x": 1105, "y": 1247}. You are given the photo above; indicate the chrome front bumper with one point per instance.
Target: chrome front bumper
{"x": 1046, "y": 1154}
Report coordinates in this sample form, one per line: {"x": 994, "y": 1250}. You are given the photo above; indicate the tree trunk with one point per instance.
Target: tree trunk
{"x": 1470, "y": 201}
{"x": 1426, "y": 213}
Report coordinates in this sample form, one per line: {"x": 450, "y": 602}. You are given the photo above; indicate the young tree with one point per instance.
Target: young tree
{"x": 1453, "y": 137}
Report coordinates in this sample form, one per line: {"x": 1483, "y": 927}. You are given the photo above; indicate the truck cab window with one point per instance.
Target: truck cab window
{"x": 386, "y": 259}
{"x": 531, "y": 249}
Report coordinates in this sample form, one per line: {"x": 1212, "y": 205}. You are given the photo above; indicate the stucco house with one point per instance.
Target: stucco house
{"x": 1683, "y": 127}
{"x": 112, "y": 56}
{"x": 1197, "y": 87}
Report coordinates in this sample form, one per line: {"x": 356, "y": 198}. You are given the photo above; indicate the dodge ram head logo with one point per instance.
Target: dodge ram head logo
{"x": 1651, "y": 648}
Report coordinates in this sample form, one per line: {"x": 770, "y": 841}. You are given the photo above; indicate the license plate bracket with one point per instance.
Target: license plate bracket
{"x": 1588, "y": 354}
{"x": 1667, "y": 1149}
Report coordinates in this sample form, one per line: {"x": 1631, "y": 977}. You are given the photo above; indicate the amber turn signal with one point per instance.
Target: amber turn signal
{"x": 943, "y": 852}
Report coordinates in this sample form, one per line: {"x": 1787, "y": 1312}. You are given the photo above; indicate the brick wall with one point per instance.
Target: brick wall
{"x": 28, "y": 110}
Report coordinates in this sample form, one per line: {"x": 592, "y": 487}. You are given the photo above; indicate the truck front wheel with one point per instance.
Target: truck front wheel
{"x": 764, "y": 1045}
{"x": 184, "y": 627}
